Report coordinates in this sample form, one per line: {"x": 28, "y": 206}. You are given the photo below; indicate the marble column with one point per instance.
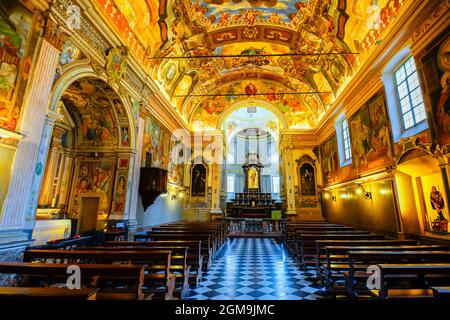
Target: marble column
{"x": 28, "y": 167}
{"x": 136, "y": 173}
{"x": 289, "y": 182}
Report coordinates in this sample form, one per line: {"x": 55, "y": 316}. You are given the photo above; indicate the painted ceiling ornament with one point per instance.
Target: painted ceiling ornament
{"x": 116, "y": 63}
{"x": 251, "y": 33}
{"x": 251, "y": 89}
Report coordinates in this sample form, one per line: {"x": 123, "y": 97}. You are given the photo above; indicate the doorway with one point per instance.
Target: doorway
{"x": 88, "y": 214}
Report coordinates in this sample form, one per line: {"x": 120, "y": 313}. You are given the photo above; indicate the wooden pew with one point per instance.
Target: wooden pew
{"x": 321, "y": 254}
{"x": 194, "y": 257}
{"x": 419, "y": 271}
{"x": 63, "y": 294}
{"x": 217, "y": 235}
{"x": 289, "y": 232}
{"x": 221, "y": 226}
{"x": 359, "y": 261}
{"x": 307, "y": 243}
{"x": 156, "y": 273}
{"x": 105, "y": 277}
{"x": 178, "y": 267}
{"x": 336, "y": 262}
{"x": 441, "y": 293}
{"x": 214, "y": 240}
{"x": 205, "y": 238}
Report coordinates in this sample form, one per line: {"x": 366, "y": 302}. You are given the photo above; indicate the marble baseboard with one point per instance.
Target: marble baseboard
{"x": 12, "y": 246}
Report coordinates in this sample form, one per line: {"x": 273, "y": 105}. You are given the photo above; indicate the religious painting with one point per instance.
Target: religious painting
{"x": 330, "y": 160}
{"x": 198, "y": 181}
{"x": 370, "y": 136}
{"x": 94, "y": 176}
{"x": 69, "y": 53}
{"x": 96, "y": 126}
{"x": 175, "y": 166}
{"x": 120, "y": 192}
{"x": 253, "y": 178}
{"x": 300, "y": 111}
{"x": 116, "y": 64}
{"x": 16, "y": 30}
{"x": 92, "y": 112}
{"x": 436, "y": 76}
{"x": 136, "y": 22}
{"x": 152, "y": 142}
{"x": 125, "y": 138}
{"x": 307, "y": 180}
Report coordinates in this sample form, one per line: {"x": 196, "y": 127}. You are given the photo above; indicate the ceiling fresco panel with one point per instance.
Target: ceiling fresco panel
{"x": 307, "y": 50}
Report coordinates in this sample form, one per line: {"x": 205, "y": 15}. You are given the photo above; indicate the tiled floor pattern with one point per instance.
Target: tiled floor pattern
{"x": 256, "y": 269}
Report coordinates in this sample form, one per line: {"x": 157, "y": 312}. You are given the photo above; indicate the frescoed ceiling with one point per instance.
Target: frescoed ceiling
{"x": 209, "y": 54}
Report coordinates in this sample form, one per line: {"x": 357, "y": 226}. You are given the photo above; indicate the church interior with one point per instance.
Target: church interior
{"x": 225, "y": 149}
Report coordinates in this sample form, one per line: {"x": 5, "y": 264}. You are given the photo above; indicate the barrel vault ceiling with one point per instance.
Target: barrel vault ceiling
{"x": 210, "y": 55}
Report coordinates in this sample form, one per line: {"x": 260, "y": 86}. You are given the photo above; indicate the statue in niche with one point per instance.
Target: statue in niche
{"x": 253, "y": 182}
{"x": 307, "y": 177}
{"x": 440, "y": 224}
{"x": 198, "y": 180}
{"x": 437, "y": 202}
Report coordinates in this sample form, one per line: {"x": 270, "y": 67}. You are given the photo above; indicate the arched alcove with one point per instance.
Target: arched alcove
{"x": 88, "y": 163}
{"x": 417, "y": 173}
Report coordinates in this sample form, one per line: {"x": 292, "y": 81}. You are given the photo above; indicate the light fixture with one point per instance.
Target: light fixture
{"x": 360, "y": 191}
{"x": 328, "y": 196}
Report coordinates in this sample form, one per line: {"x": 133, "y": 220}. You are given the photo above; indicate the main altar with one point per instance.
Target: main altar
{"x": 251, "y": 202}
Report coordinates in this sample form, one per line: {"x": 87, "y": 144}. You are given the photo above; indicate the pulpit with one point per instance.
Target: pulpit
{"x": 152, "y": 183}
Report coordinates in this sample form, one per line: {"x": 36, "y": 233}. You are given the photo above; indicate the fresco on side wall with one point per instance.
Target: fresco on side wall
{"x": 176, "y": 170}
{"x": 198, "y": 181}
{"x": 93, "y": 113}
{"x": 15, "y": 61}
{"x": 153, "y": 144}
{"x": 307, "y": 180}
{"x": 330, "y": 161}
{"x": 370, "y": 137}
{"x": 436, "y": 75}
{"x": 120, "y": 192}
{"x": 94, "y": 176}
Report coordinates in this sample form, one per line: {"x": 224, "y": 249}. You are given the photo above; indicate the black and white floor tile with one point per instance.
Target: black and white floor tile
{"x": 256, "y": 269}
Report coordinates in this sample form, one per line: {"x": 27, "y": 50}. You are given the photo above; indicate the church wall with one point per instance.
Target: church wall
{"x": 374, "y": 151}
{"x": 351, "y": 208}
{"x": 161, "y": 150}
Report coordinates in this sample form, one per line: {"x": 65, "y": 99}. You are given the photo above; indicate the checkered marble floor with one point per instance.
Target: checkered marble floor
{"x": 256, "y": 269}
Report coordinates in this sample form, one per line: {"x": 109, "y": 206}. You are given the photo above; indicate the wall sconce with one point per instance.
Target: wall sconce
{"x": 328, "y": 196}
{"x": 362, "y": 192}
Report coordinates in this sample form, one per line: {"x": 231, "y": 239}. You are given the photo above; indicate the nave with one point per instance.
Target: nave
{"x": 257, "y": 269}
{"x": 237, "y": 149}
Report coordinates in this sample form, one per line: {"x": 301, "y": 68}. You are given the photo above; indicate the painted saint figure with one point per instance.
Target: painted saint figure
{"x": 252, "y": 178}
{"x": 437, "y": 202}
{"x": 198, "y": 180}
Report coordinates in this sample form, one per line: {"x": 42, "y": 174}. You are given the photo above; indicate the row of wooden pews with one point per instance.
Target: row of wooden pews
{"x": 348, "y": 261}
{"x": 162, "y": 263}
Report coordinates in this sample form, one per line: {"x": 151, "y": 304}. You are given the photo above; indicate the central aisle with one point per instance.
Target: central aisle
{"x": 256, "y": 269}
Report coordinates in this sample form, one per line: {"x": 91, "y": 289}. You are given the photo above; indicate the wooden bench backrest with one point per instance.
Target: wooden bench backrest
{"x": 377, "y": 257}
